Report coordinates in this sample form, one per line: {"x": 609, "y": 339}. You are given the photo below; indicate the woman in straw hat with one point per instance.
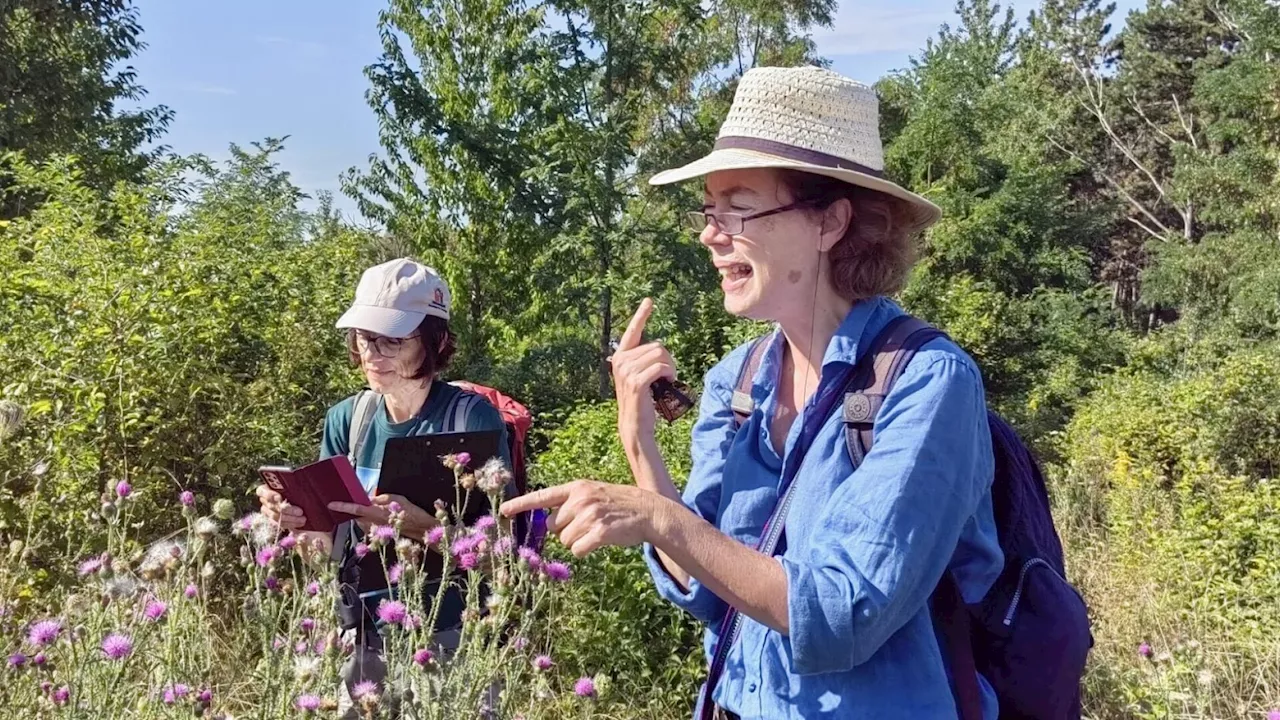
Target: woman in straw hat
{"x": 834, "y": 615}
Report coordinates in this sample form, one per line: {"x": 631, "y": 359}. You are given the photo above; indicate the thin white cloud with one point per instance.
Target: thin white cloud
{"x": 213, "y": 89}
{"x": 861, "y": 29}
{"x": 302, "y": 47}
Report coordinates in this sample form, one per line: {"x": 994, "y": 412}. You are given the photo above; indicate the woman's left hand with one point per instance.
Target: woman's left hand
{"x": 590, "y": 515}
{"x": 416, "y": 522}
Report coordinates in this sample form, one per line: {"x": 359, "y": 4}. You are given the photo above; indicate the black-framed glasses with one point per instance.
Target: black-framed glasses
{"x": 387, "y": 347}
{"x": 731, "y": 223}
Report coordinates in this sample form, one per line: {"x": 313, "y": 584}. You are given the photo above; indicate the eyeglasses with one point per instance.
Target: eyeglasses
{"x": 387, "y": 347}
{"x": 731, "y": 223}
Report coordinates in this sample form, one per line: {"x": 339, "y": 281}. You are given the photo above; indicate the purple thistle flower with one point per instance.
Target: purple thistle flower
{"x": 273, "y": 583}
{"x": 383, "y": 533}
{"x": 117, "y": 646}
{"x": 187, "y": 498}
{"x": 413, "y": 622}
{"x": 530, "y": 557}
{"x": 1274, "y": 714}
{"x": 423, "y": 657}
{"x": 463, "y": 458}
{"x": 301, "y": 647}
{"x": 1144, "y": 650}
{"x": 484, "y": 522}
{"x": 313, "y": 588}
{"x": 361, "y": 550}
{"x": 90, "y": 566}
{"x": 465, "y": 544}
{"x": 62, "y": 695}
{"x": 288, "y": 542}
{"x": 394, "y": 507}
{"x": 267, "y": 555}
{"x": 308, "y": 703}
{"x": 17, "y": 660}
{"x": 435, "y": 535}
{"x": 245, "y": 524}
{"x": 392, "y": 612}
{"x": 522, "y": 643}
{"x": 175, "y": 693}
{"x": 364, "y": 689}
{"x": 585, "y": 687}
{"x": 394, "y": 572}
{"x": 542, "y": 662}
{"x": 205, "y": 696}
{"x": 39, "y": 660}
{"x": 123, "y": 489}
{"x": 191, "y": 591}
{"x": 558, "y": 571}
{"x": 44, "y": 632}
{"x": 45, "y": 687}
{"x": 468, "y": 561}
{"x": 277, "y": 643}
{"x": 155, "y": 610}
{"x": 307, "y": 625}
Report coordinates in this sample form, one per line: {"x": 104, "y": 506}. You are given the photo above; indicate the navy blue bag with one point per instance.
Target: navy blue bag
{"x": 1029, "y": 636}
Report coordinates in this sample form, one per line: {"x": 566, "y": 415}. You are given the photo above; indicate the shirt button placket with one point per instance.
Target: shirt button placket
{"x": 753, "y": 685}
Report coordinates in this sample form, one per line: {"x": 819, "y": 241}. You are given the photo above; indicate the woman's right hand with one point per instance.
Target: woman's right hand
{"x": 278, "y": 511}
{"x": 636, "y": 366}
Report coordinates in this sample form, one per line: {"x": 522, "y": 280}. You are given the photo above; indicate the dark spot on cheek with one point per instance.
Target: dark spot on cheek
{"x": 794, "y": 276}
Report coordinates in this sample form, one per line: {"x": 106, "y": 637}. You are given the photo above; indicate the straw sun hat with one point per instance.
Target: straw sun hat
{"x": 808, "y": 119}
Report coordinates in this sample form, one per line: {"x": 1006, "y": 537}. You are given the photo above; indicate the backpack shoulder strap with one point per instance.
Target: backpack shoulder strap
{"x": 458, "y": 410}
{"x": 892, "y": 350}
{"x": 361, "y": 417}
{"x": 743, "y": 404}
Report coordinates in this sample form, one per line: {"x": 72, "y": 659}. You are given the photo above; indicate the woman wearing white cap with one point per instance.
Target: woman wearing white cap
{"x": 398, "y": 334}
{"x": 831, "y": 615}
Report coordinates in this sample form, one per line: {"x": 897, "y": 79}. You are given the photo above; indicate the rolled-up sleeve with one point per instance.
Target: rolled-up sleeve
{"x": 713, "y": 433}
{"x": 889, "y": 531}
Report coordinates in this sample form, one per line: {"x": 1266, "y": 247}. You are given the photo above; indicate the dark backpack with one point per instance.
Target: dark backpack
{"x": 1029, "y": 636}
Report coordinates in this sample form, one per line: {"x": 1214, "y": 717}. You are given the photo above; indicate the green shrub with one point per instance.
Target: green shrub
{"x": 614, "y": 620}
{"x": 172, "y": 347}
{"x": 1171, "y": 507}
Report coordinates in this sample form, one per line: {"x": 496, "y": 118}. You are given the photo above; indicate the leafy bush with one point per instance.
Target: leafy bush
{"x": 169, "y": 334}
{"x": 1171, "y": 507}
{"x": 613, "y": 618}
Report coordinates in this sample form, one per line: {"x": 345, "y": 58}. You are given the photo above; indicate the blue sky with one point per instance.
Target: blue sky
{"x": 239, "y": 71}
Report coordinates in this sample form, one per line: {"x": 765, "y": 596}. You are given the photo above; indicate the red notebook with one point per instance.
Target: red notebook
{"x": 312, "y": 487}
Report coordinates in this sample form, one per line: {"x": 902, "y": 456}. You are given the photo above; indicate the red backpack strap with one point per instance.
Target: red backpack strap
{"x": 743, "y": 404}
{"x": 892, "y": 349}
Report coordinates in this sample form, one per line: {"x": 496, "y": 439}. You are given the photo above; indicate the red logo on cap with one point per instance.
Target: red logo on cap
{"x": 439, "y": 297}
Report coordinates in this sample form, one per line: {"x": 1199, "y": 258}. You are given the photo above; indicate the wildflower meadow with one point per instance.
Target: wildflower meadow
{"x": 1109, "y": 178}
{"x": 232, "y": 618}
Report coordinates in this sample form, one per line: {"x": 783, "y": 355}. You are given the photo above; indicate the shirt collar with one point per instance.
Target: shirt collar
{"x": 856, "y": 331}
{"x": 865, "y": 318}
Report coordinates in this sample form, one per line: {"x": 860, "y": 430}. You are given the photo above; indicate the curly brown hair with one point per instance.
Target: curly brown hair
{"x": 878, "y": 250}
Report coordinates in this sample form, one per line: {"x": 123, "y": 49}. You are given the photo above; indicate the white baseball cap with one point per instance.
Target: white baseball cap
{"x": 393, "y": 298}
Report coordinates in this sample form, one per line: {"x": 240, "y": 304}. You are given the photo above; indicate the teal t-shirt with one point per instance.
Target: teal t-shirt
{"x": 436, "y": 416}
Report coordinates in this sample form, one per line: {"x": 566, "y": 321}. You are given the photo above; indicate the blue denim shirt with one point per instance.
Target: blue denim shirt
{"x": 864, "y": 549}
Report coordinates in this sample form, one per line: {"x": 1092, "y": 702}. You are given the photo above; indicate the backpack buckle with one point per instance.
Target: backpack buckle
{"x": 742, "y": 404}
{"x": 861, "y": 408}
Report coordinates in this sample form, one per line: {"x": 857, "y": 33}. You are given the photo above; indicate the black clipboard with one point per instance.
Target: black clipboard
{"x": 412, "y": 467}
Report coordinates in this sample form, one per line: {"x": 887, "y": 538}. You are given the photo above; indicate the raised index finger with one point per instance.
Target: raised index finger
{"x": 635, "y": 329}
{"x": 547, "y": 498}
